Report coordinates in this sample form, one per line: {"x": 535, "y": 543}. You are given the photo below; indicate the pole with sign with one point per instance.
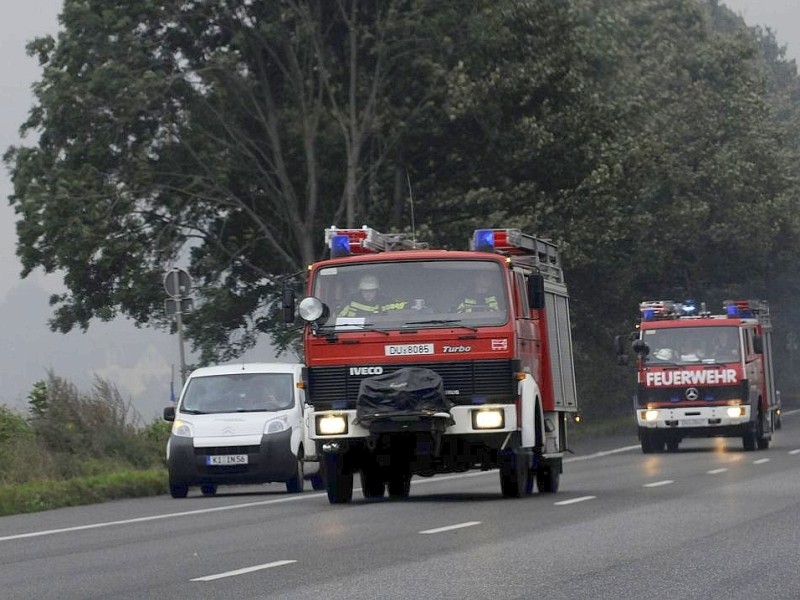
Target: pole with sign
{"x": 178, "y": 285}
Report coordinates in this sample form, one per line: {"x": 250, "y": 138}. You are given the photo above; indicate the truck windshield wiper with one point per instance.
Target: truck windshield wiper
{"x": 458, "y": 322}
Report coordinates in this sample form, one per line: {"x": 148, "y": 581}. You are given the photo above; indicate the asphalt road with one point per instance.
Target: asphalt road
{"x": 710, "y": 521}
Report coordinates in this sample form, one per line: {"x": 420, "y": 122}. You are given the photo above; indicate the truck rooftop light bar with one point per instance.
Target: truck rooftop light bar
{"x": 345, "y": 242}
{"x": 746, "y": 308}
{"x": 537, "y": 252}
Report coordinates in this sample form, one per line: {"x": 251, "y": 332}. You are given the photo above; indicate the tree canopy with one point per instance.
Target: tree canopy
{"x": 655, "y": 140}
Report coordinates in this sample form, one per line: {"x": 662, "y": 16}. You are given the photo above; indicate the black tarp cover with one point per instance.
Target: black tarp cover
{"x": 407, "y": 391}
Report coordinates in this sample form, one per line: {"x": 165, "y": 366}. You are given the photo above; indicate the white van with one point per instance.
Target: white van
{"x": 241, "y": 424}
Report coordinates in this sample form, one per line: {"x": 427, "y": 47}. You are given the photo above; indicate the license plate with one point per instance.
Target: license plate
{"x": 226, "y": 459}
{"x": 693, "y": 422}
{"x": 407, "y": 349}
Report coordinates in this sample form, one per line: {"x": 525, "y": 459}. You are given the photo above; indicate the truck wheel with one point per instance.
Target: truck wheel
{"x": 762, "y": 437}
{"x": 208, "y": 489}
{"x": 372, "y": 484}
{"x": 648, "y": 441}
{"x": 672, "y": 445}
{"x": 399, "y": 485}
{"x": 178, "y": 489}
{"x": 515, "y": 477}
{"x": 338, "y": 481}
{"x": 317, "y": 482}
{"x": 548, "y": 479}
{"x": 749, "y": 439}
{"x": 296, "y": 484}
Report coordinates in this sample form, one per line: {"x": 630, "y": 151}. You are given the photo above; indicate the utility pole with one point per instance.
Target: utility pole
{"x": 178, "y": 285}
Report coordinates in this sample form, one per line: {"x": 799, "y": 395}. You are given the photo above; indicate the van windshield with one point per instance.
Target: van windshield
{"x": 238, "y": 392}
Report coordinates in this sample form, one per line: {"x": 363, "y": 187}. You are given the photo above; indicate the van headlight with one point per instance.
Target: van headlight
{"x": 331, "y": 424}
{"x": 650, "y": 415}
{"x": 182, "y": 429}
{"x": 488, "y": 418}
{"x": 276, "y": 425}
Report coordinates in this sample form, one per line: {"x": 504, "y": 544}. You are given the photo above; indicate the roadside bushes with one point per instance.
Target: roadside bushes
{"x": 70, "y": 434}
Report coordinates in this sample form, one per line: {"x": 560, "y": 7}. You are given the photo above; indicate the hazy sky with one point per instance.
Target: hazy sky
{"x": 24, "y": 20}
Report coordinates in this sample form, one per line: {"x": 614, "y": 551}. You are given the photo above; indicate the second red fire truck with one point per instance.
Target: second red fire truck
{"x": 704, "y": 375}
{"x": 457, "y": 360}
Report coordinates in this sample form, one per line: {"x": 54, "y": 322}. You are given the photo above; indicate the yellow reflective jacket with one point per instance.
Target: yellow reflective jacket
{"x": 472, "y": 304}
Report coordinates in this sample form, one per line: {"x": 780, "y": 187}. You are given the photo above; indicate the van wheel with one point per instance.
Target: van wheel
{"x": 296, "y": 484}
{"x": 208, "y": 489}
{"x": 514, "y": 475}
{"x": 178, "y": 489}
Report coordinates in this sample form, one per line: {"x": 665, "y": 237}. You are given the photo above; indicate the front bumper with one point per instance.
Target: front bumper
{"x": 271, "y": 460}
{"x": 694, "y": 417}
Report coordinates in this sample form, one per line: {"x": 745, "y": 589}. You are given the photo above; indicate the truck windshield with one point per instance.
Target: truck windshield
{"x": 239, "y": 392}
{"x": 413, "y": 294}
{"x": 687, "y": 345}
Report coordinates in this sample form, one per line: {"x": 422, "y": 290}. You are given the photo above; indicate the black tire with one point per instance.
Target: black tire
{"x": 372, "y": 485}
{"x": 749, "y": 439}
{"x": 208, "y": 489}
{"x": 297, "y": 483}
{"x": 178, "y": 489}
{"x": 515, "y": 475}
{"x": 317, "y": 482}
{"x": 399, "y": 485}
{"x": 672, "y": 445}
{"x": 548, "y": 479}
{"x": 338, "y": 480}
{"x": 648, "y": 440}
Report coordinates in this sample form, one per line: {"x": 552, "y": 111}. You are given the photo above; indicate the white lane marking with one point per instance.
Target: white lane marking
{"x": 187, "y": 513}
{"x": 574, "y": 500}
{"x": 760, "y": 461}
{"x": 601, "y": 454}
{"x": 277, "y": 563}
{"x": 794, "y": 451}
{"x": 715, "y": 471}
{"x": 451, "y": 527}
{"x": 658, "y": 483}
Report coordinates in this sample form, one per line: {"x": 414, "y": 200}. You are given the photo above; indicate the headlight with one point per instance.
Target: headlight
{"x": 492, "y": 418}
{"x": 331, "y": 424}
{"x": 650, "y": 415}
{"x": 735, "y": 411}
{"x": 276, "y": 425}
{"x": 182, "y": 429}
{"x": 311, "y": 309}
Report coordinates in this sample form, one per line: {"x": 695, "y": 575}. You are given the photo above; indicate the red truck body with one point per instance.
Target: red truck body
{"x": 504, "y": 372}
{"x": 705, "y": 375}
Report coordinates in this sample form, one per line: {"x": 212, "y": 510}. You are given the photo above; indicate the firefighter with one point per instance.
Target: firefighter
{"x": 369, "y": 301}
{"x": 481, "y": 297}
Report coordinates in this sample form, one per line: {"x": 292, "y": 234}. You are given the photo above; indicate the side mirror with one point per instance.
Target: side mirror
{"x": 640, "y": 347}
{"x": 288, "y": 305}
{"x": 536, "y": 291}
{"x": 758, "y": 344}
{"x": 169, "y": 413}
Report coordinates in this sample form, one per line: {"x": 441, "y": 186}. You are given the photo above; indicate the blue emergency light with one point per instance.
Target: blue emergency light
{"x": 483, "y": 240}
{"x": 648, "y": 313}
{"x": 689, "y": 307}
{"x": 340, "y": 246}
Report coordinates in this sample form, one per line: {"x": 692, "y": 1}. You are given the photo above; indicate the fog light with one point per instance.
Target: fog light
{"x": 650, "y": 415}
{"x": 735, "y": 411}
{"x": 331, "y": 424}
{"x": 492, "y": 418}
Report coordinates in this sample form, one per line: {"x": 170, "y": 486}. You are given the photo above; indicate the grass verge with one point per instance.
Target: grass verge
{"x": 47, "y": 495}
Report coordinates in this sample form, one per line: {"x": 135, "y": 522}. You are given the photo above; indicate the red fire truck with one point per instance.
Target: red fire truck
{"x": 464, "y": 363}
{"x": 704, "y": 375}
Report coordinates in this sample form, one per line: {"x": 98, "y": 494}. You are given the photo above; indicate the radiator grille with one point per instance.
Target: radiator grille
{"x": 476, "y": 382}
